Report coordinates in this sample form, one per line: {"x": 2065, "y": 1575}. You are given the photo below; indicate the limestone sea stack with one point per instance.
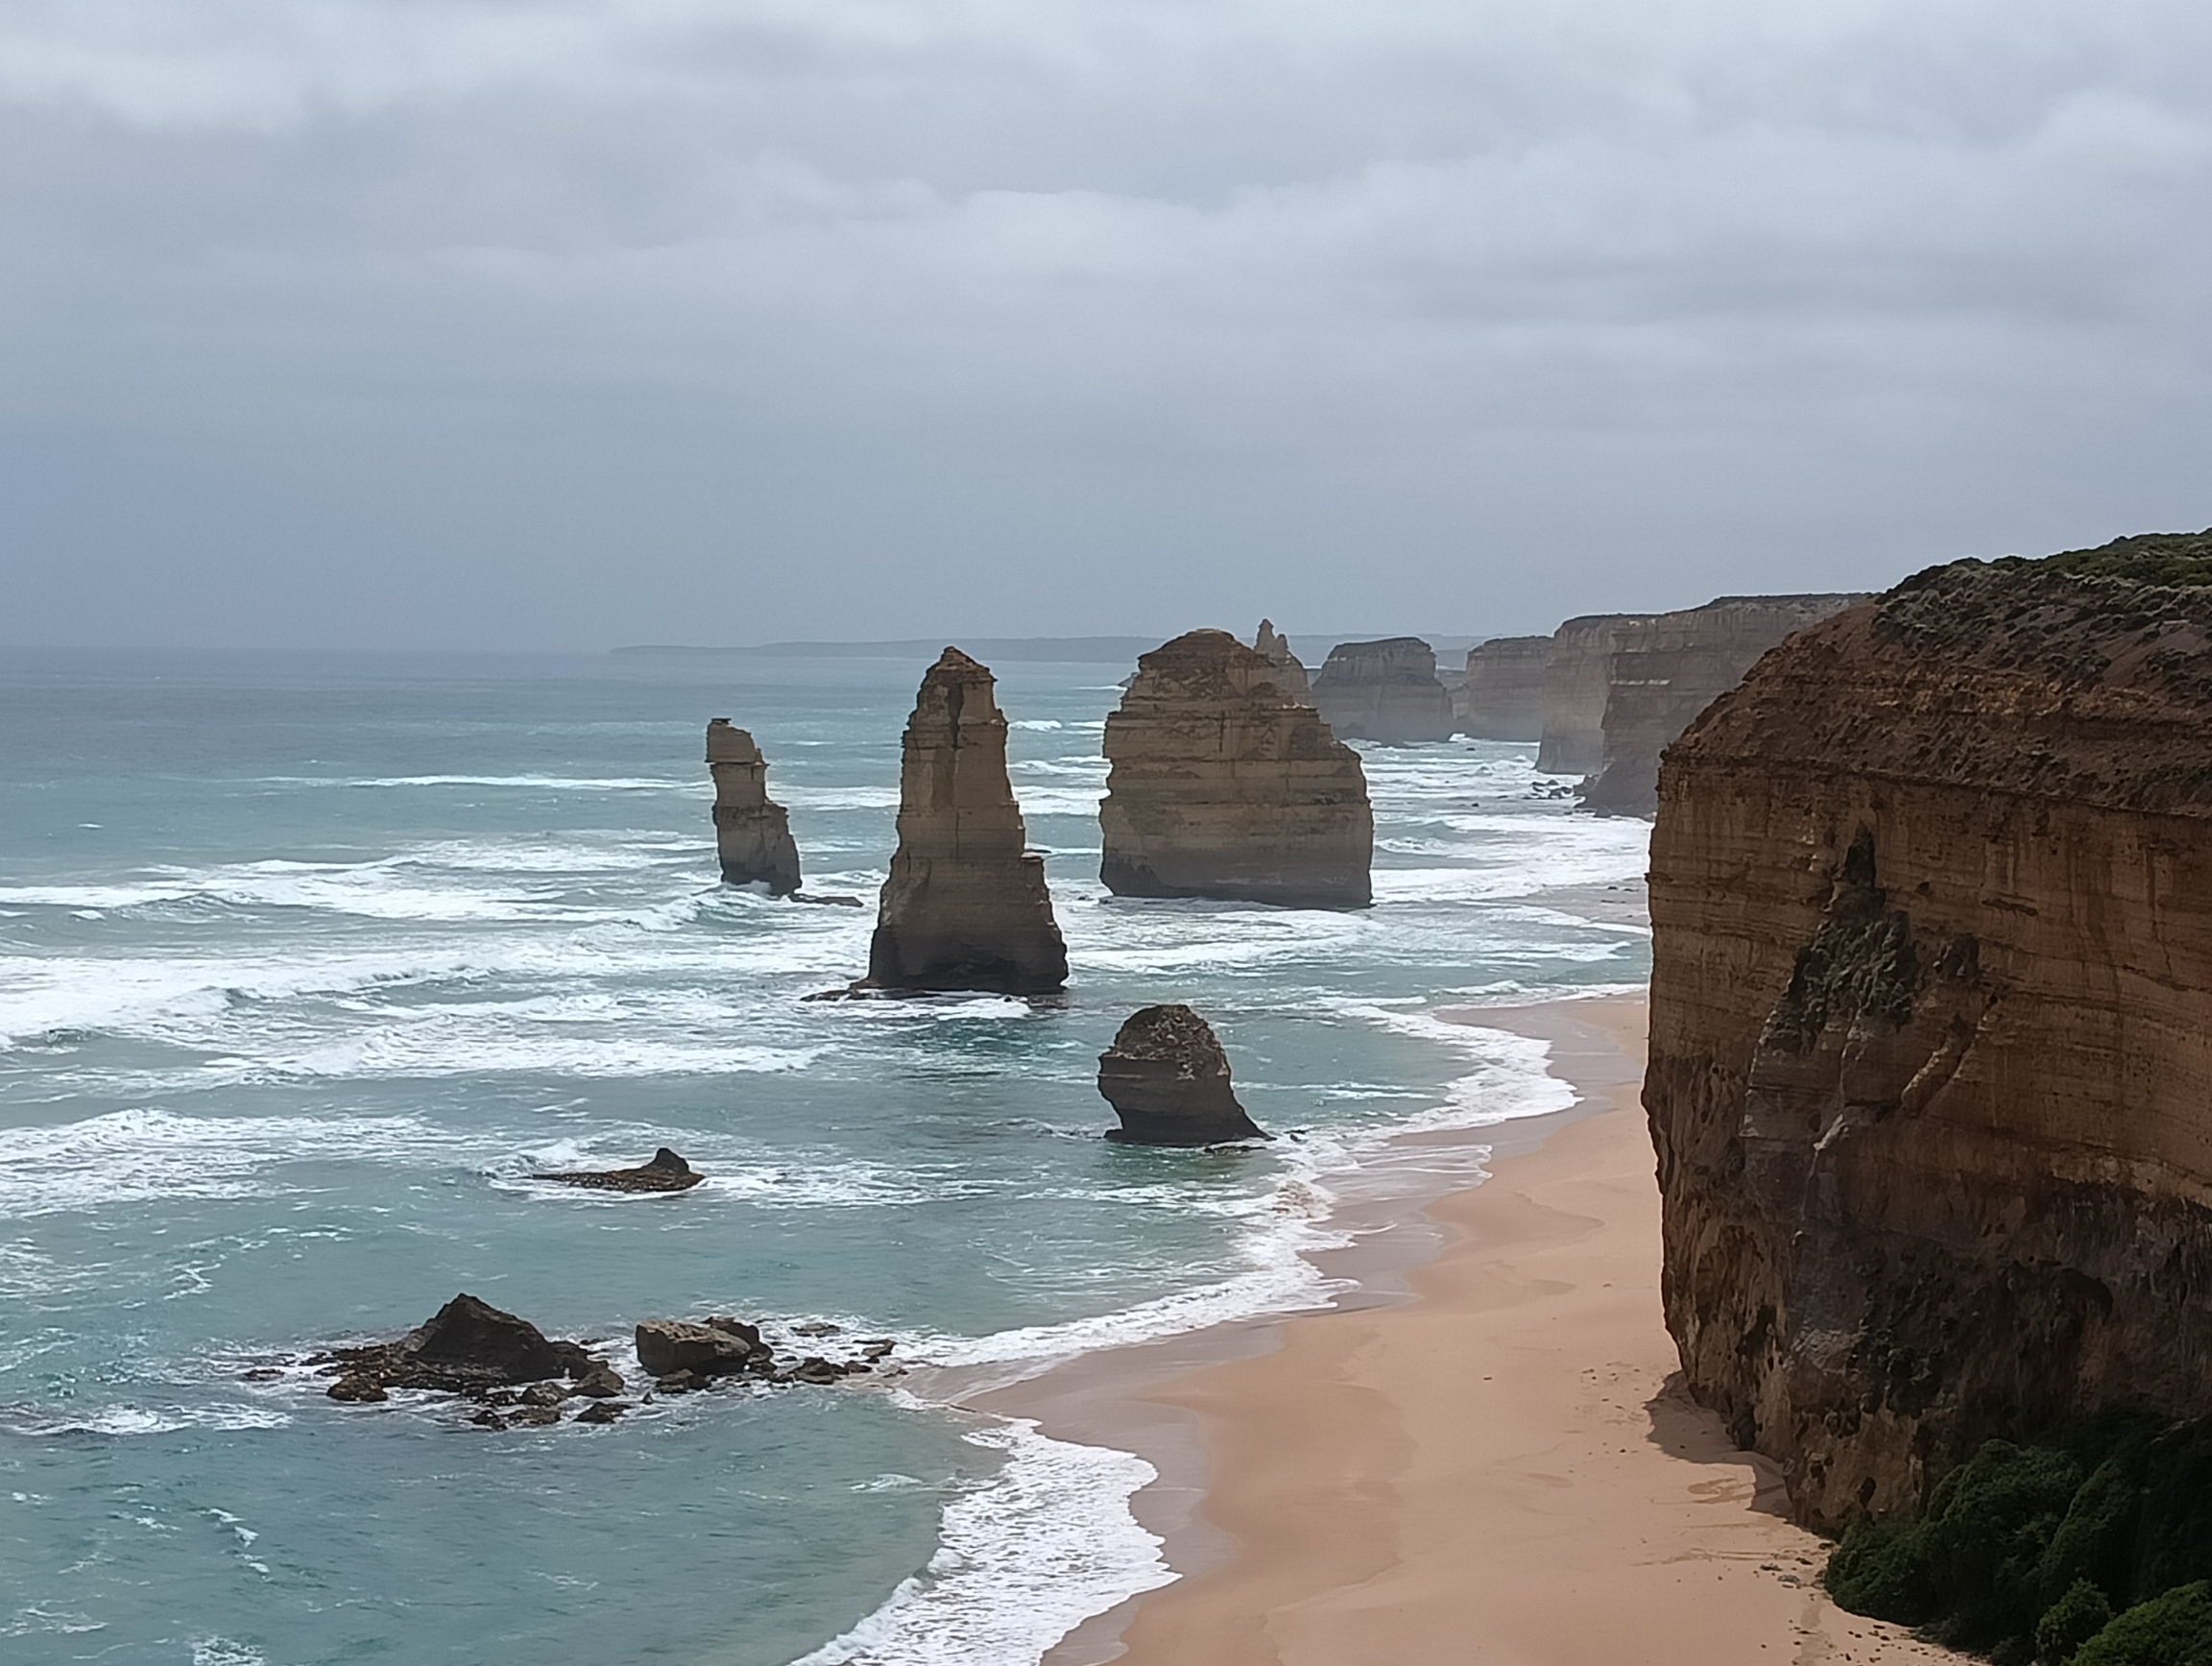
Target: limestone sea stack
{"x": 1167, "y": 1080}
{"x": 1289, "y": 670}
{"x": 1577, "y": 682}
{"x": 965, "y": 907}
{"x": 1667, "y": 669}
{"x": 752, "y": 834}
{"x": 1500, "y": 694}
{"x": 1225, "y": 784}
{"x": 1931, "y": 1021}
{"x": 1384, "y": 690}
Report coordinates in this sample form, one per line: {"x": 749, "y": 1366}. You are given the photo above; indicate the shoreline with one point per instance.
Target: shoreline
{"x": 1340, "y": 1483}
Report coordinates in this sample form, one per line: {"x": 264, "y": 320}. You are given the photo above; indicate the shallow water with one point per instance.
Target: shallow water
{"x": 305, "y": 966}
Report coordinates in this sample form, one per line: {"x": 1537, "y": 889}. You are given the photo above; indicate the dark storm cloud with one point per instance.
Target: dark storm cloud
{"x": 421, "y": 321}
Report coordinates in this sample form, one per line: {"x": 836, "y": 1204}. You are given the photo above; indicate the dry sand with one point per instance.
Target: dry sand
{"x": 1501, "y": 1472}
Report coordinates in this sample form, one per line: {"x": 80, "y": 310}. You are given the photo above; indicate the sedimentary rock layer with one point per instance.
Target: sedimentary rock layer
{"x": 752, "y": 834}
{"x": 1667, "y": 669}
{"x": 1500, "y": 694}
{"x": 1384, "y": 690}
{"x": 965, "y": 907}
{"x": 1931, "y": 1021}
{"x": 1578, "y": 681}
{"x": 1167, "y": 1080}
{"x": 1224, "y": 784}
{"x": 1289, "y": 670}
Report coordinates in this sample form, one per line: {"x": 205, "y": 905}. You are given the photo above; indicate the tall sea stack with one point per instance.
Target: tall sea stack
{"x": 1225, "y": 784}
{"x": 1500, "y": 694}
{"x": 1289, "y": 670}
{"x": 965, "y": 907}
{"x": 1167, "y": 1080}
{"x": 1666, "y": 670}
{"x": 1384, "y": 690}
{"x": 1931, "y": 1021}
{"x": 1578, "y": 681}
{"x": 752, "y": 832}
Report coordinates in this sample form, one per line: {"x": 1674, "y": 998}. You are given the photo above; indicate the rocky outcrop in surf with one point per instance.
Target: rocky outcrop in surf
{"x": 1167, "y": 1080}
{"x": 1667, "y": 669}
{"x": 665, "y": 1173}
{"x": 1577, "y": 682}
{"x": 1384, "y": 690}
{"x": 1500, "y": 696}
{"x": 966, "y": 906}
{"x": 1289, "y": 670}
{"x": 467, "y": 1348}
{"x": 752, "y": 832}
{"x": 1224, "y": 784}
{"x": 1931, "y": 908}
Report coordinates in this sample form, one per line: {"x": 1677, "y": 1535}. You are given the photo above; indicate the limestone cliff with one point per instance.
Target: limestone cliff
{"x": 1667, "y": 669}
{"x": 1384, "y": 690}
{"x": 1500, "y": 694}
{"x": 1225, "y": 784}
{"x": 752, "y": 832}
{"x": 1578, "y": 680}
{"x": 1931, "y": 1020}
{"x": 1289, "y": 670}
{"x": 965, "y": 907}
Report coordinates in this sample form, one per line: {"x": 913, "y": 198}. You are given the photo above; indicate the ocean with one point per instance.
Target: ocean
{"x": 308, "y": 963}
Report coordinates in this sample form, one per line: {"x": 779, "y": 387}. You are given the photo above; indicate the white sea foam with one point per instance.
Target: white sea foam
{"x": 1023, "y": 1561}
{"x": 126, "y": 1420}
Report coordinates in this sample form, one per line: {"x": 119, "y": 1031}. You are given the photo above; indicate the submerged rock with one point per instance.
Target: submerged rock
{"x": 1167, "y": 1078}
{"x": 1224, "y": 786}
{"x": 966, "y": 906}
{"x": 665, "y": 1173}
{"x": 1384, "y": 690}
{"x": 752, "y": 832}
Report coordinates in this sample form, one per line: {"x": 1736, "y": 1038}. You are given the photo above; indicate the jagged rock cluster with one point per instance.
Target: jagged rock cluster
{"x": 1384, "y": 690}
{"x": 1667, "y": 669}
{"x": 966, "y": 906}
{"x": 1290, "y": 671}
{"x": 1223, "y": 784}
{"x": 1167, "y": 1080}
{"x": 1931, "y": 908}
{"x": 752, "y": 832}
{"x": 1500, "y": 694}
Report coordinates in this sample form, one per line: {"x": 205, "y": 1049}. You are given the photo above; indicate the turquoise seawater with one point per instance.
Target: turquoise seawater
{"x": 305, "y": 963}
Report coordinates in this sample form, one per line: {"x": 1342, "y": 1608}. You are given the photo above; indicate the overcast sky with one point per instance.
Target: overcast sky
{"x": 575, "y": 323}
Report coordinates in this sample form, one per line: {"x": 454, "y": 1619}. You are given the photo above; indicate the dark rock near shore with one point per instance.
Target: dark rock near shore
{"x": 1167, "y": 1078}
{"x": 665, "y": 1173}
{"x": 666, "y": 1348}
{"x": 467, "y": 1348}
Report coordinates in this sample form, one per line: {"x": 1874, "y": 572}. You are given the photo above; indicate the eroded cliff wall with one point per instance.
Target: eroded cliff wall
{"x": 1576, "y": 682}
{"x": 1500, "y": 694}
{"x": 1667, "y": 669}
{"x": 1931, "y": 1073}
{"x": 1384, "y": 690}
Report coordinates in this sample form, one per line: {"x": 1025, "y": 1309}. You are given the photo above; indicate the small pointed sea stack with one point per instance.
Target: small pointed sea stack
{"x": 1224, "y": 786}
{"x": 965, "y": 907}
{"x": 1384, "y": 690}
{"x": 1167, "y": 1080}
{"x": 1289, "y": 670}
{"x": 752, "y": 834}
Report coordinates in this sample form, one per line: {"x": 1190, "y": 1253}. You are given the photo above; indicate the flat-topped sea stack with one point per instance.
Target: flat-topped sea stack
{"x": 1930, "y": 1069}
{"x": 965, "y": 907}
{"x": 752, "y": 832}
{"x": 1224, "y": 784}
{"x": 1289, "y": 670}
{"x": 1384, "y": 690}
{"x": 1167, "y": 1080}
{"x": 1667, "y": 669}
{"x": 1500, "y": 694}
{"x": 1577, "y": 682}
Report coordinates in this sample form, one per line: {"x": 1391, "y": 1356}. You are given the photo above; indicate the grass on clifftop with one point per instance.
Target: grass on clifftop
{"x": 2090, "y": 1547}
{"x": 2161, "y": 558}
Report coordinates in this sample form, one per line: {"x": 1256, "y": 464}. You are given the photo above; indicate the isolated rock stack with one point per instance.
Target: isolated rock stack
{"x": 1384, "y": 690}
{"x": 1223, "y": 785}
{"x": 1501, "y": 695}
{"x": 1167, "y": 1080}
{"x": 752, "y": 834}
{"x": 966, "y": 906}
{"x": 1289, "y": 670}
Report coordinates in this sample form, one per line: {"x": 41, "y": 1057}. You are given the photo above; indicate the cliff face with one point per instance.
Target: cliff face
{"x": 1501, "y": 695}
{"x": 1290, "y": 671}
{"x": 1223, "y": 785}
{"x": 1932, "y": 1022}
{"x": 1667, "y": 669}
{"x": 965, "y": 907}
{"x": 1384, "y": 690}
{"x": 1578, "y": 681}
{"x": 752, "y": 832}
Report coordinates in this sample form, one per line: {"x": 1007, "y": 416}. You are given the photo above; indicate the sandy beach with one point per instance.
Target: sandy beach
{"x": 1485, "y": 1457}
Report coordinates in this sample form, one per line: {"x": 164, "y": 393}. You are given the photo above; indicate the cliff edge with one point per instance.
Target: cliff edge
{"x": 1931, "y": 911}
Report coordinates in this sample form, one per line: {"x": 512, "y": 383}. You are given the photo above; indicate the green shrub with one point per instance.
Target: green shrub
{"x": 1879, "y": 1569}
{"x": 2070, "y": 1622}
{"x": 2173, "y": 1630}
{"x": 1989, "y": 1522}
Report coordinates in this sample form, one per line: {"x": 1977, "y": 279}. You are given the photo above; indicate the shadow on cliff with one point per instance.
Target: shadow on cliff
{"x": 1683, "y": 1429}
